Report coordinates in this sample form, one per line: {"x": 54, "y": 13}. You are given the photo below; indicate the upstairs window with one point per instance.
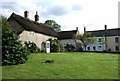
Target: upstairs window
{"x": 116, "y": 39}
{"x": 99, "y": 40}
{"x": 32, "y": 33}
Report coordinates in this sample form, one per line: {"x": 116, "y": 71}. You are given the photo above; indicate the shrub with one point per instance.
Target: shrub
{"x": 42, "y": 51}
{"x": 32, "y": 47}
{"x": 13, "y": 52}
{"x": 109, "y": 50}
{"x": 69, "y": 48}
{"x": 54, "y": 45}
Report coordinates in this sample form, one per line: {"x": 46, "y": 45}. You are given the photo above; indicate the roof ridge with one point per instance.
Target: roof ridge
{"x": 68, "y": 31}
{"x": 104, "y": 30}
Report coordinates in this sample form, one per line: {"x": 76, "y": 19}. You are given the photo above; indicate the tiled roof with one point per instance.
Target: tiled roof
{"x": 66, "y": 34}
{"x": 30, "y": 25}
{"x": 109, "y": 32}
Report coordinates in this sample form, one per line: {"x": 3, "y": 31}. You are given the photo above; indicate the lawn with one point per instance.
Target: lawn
{"x": 78, "y": 65}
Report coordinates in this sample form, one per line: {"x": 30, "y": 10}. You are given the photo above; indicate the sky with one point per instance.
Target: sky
{"x": 92, "y": 14}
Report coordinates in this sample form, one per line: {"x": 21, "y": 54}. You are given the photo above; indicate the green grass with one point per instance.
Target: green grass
{"x": 79, "y": 65}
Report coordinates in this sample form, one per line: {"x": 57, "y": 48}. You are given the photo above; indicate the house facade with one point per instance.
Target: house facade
{"x": 113, "y": 43}
{"x": 106, "y": 40}
{"x": 31, "y": 31}
{"x": 96, "y": 46}
{"x": 66, "y": 40}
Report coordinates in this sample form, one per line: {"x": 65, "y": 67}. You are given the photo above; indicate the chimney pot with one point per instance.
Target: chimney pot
{"x": 84, "y": 29}
{"x": 105, "y": 27}
{"x": 26, "y": 14}
{"x": 36, "y": 13}
{"x": 36, "y": 17}
{"x": 77, "y": 28}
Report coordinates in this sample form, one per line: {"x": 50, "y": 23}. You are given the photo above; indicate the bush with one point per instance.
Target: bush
{"x": 54, "y": 45}
{"x": 42, "y": 51}
{"x": 69, "y": 48}
{"x": 32, "y": 47}
{"x": 13, "y": 52}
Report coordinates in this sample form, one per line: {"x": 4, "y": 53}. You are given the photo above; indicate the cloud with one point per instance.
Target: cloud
{"x": 45, "y": 8}
{"x": 56, "y": 10}
{"x": 69, "y": 13}
{"x": 59, "y": 10}
{"x": 76, "y": 7}
{"x": 9, "y": 5}
{"x": 18, "y": 6}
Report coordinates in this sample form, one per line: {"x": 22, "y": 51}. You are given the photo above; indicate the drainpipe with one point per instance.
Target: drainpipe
{"x": 105, "y": 37}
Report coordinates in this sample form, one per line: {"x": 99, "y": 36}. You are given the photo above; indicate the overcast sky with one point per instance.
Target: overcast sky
{"x": 93, "y": 14}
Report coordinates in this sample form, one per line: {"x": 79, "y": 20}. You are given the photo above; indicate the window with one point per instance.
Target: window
{"x": 88, "y": 48}
{"x": 116, "y": 48}
{"x": 32, "y": 33}
{"x": 116, "y": 39}
{"x": 99, "y": 46}
{"x": 94, "y": 48}
{"x": 99, "y": 40}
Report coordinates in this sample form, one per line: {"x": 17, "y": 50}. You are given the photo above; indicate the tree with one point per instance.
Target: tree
{"x": 13, "y": 51}
{"x": 0, "y": 33}
{"x": 102, "y": 42}
{"x": 85, "y": 38}
{"x": 53, "y": 24}
{"x": 78, "y": 42}
{"x": 0, "y": 41}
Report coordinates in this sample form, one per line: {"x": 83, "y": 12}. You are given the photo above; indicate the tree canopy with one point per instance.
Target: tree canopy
{"x": 53, "y": 24}
{"x": 13, "y": 51}
{"x": 86, "y": 38}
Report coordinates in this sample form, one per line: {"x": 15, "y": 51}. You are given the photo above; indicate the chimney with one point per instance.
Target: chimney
{"x": 36, "y": 17}
{"x": 77, "y": 28}
{"x": 84, "y": 29}
{"x": 105, "y": 34}
{"x": 105, "y": 27}
{"x": 26, "y": 14}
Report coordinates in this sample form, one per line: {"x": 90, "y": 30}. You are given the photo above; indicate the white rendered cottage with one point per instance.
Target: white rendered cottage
{"x": 30, "y": 30}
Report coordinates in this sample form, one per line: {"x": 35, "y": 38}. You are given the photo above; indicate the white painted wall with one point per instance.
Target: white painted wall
{"x": 110, "y": 44}
{"x": 97, "y": 45}
{"x": 67, "y": 41}
{"x": 31, "y": 36}
{"x": 37, "y": 38}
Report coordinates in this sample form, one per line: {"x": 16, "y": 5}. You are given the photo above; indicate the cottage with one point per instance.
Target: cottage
{"x": 30, "y": 30}
{"x": 66, "y": 38}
